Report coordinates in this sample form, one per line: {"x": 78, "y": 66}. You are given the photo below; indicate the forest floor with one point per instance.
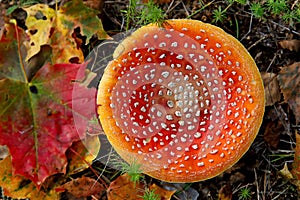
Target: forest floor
{"x": 274, "y": 43}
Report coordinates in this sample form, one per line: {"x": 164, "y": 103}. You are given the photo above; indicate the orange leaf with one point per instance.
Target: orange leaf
{"x": 163, "y": 193}
{"x": 296, "y": 165}
{"x": 225, "y": 192}
{"x": 16, "y": 186}
{"x": 95, "y": 4}
{"x": 122, "y": 188}
{"x": 86, "y": 151}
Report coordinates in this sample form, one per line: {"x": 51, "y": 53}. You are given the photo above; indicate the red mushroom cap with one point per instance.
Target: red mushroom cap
{"x": 186, "y": 101}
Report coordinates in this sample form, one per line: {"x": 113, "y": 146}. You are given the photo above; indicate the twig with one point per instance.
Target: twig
{"x": 114, "y": 2}
{"x": 199, "y": 10}
{"x": 280, "y": 193}
{"x": 258, "y": 41}
{"x": 256, "y": 183}
{"x": 91, "y": 168}
{"x": 295, "y": 3}
{"x": 293, "y": 31}
{"x": 249, "y": 30}
{"x": 169, "y": 7}
{"x": 265, "y": 186}
{"x": 109, "y": 154}
{"x": 273, "y": 59}
{"x": 184, "y": 7}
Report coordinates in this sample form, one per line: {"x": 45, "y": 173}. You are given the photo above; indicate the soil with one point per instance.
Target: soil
{"x": 259, "y": 169}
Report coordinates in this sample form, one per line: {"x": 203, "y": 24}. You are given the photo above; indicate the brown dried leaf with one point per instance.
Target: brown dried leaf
{"x": 293, "y": 175}
{"x": 237, "y": 177}
{"x": 83, "y": 187}
{"x": 272, "y": 91}
{"x": 292, "y": 45}
{"x": 2, "y": 18}
{"x": 286, "y": 173}
{"x": 289, "y": 82}
{"x": 272, "y": 133}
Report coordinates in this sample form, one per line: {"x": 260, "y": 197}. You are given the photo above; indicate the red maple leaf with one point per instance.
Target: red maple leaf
{"x": 37, "y": 110}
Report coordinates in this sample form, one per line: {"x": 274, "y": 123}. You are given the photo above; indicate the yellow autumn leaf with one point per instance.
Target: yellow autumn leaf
{"x": 39, "y": 22}
{"x": 47, "y": 26}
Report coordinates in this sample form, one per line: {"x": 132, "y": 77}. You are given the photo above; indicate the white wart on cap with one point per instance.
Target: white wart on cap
{"x": 186, "y": 100}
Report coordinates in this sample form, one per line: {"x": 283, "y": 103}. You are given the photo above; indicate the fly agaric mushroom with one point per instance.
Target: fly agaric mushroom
{"x": 186, "y": 101}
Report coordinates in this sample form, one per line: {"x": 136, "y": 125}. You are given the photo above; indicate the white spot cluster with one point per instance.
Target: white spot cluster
{"x": 178, "y": 102}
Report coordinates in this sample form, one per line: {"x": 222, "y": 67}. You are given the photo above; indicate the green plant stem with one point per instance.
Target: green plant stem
{"x": 201, "y": 9}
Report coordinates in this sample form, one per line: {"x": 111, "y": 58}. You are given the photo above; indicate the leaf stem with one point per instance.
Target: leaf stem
{"x": 19, "y": 50}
